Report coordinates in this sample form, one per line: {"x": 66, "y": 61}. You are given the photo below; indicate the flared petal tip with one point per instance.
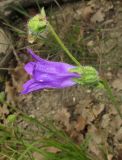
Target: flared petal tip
{"x": 29, "y": 67}
{"x": 37, "y": 58}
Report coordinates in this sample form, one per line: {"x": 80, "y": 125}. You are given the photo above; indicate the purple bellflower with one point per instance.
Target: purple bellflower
{"x": 47, "y": 74}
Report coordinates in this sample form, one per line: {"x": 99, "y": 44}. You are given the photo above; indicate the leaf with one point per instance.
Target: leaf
{"x": 98, "y": 17}
{"x": 3, "y": 112}
{"x": 63, "y": 116}
{"x": 11, "y": 118}
{"x": 81, "y": 123}
{"x": 37, "y": 156}
{"x": 87, "y": 12}
{"x": 11, "y": 94}
{"x": 53, "y": 150}
{"x": 4, "y": 42}
{"x": 110, "y": 156}
{"x": 117, "y": 84}
{"x": 19, "y": 77}
{"x": 2, "y": 97}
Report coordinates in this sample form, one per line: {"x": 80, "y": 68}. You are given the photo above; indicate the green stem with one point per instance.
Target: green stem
{"x": 7, "y": 69}
{"x": 62, "y": 45}
{"x": 112, "y": 97}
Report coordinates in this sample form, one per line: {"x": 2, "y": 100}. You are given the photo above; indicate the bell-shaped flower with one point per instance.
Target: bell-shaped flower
{"x": 47, "y": 74}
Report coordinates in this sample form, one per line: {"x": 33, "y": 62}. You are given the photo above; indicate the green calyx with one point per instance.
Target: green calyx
{"x": 89, "y": 76}
{"x": 38, "y": 23}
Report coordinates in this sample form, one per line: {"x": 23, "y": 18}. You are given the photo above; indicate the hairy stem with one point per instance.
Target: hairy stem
{"x": 63, "y": 46}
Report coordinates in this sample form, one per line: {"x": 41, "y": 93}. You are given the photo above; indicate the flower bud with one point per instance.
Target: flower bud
{"x": 36, "y": 25}
{"x": 89, "y": 75}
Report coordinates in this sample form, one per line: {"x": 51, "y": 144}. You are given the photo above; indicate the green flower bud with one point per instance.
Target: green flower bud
{"x": 37, "y": 25}
{"x": 11, "y": 118}
{"x": 89, "y": 75}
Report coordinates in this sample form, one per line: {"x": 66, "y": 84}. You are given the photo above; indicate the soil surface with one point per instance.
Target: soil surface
{"x": 80, "y": 111}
